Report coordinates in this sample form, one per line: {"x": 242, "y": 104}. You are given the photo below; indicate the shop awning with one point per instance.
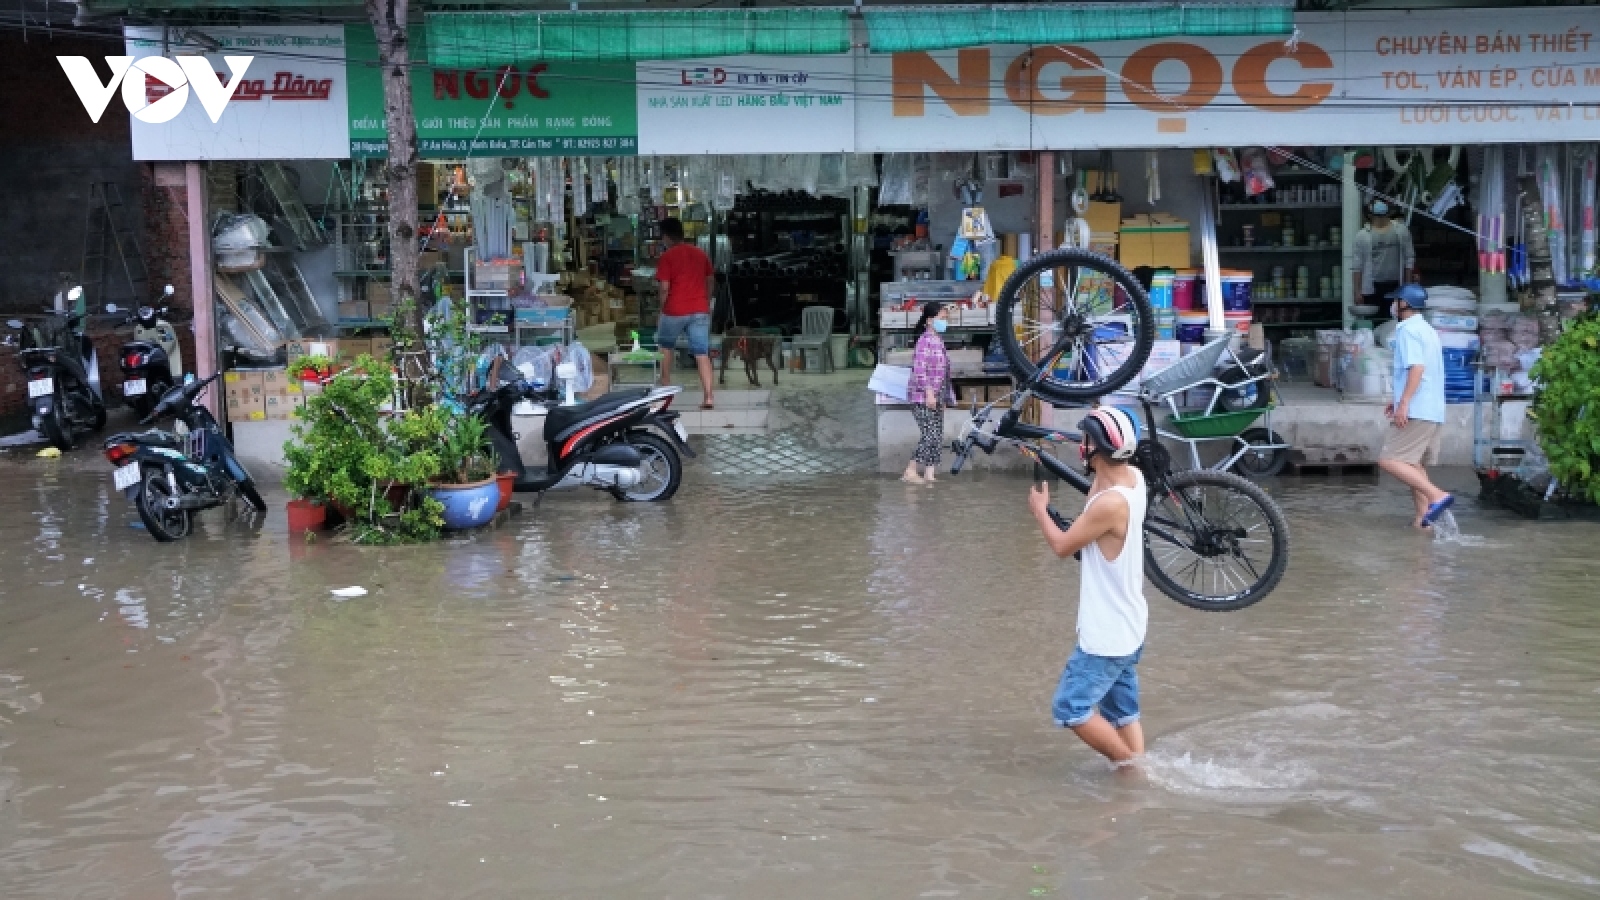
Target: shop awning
{"x": 489, "y": 39}
{"x": 901, "y": 29}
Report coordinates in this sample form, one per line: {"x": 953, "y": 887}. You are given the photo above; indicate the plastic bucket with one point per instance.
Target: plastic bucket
{"x": 1166, "y": 325}
{"x": 1183, "y": 289}
{"x": 1236, "y": 292}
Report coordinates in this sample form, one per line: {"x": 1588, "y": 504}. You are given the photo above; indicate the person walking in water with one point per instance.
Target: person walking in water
{"x": 928, "y": 393}
{"x": 1098, "y": 696}
{"x": 1416, "y": 415}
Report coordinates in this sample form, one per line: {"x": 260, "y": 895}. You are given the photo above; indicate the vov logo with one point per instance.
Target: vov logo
{"x": 178, "y": 75}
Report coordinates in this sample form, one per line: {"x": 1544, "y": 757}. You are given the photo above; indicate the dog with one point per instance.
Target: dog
{"x": 752, "y": 348}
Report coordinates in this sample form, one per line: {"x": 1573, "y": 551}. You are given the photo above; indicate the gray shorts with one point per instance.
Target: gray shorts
{"x": 1417, "y": 443}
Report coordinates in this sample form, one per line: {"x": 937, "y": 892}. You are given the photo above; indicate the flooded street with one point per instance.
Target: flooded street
{"x": 801, "y": 688}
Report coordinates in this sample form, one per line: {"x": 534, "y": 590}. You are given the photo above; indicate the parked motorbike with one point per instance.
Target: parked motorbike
{"x": 63, "y": 375}
{"x": 627, "y": 443}
{"x": 170, "y": 476}
{"x": 153, "y": 361}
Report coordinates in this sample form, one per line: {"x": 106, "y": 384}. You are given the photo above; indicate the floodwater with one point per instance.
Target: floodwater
{"x": 797, "y": 688}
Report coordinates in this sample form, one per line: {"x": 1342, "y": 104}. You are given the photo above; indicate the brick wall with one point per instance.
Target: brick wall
{"x": 54, "y": 153}
{"x": 108, "y": 340}
{"x": 166, "y": 231}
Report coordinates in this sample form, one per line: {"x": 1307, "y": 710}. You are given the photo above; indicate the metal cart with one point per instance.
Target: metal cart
{"x": 1198, "y": 370}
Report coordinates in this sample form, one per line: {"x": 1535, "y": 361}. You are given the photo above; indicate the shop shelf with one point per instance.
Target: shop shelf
{"x": 1328, "y": 249}
{"x": 1319, "y": 324}
{"x": 1217, "y": 425}
{"x": 1274, "y": 207}
{"x": 1287, "y": 301}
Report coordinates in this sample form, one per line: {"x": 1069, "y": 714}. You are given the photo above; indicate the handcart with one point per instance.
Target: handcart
{"x": 1257, "y": 452}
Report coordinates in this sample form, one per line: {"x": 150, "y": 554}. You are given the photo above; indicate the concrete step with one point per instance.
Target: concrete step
{"x": 723, "y": 420}
{"x": 725, "y": 400}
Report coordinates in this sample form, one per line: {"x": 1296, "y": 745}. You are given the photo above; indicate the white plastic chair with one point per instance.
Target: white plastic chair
{"x": 816, "y": 333}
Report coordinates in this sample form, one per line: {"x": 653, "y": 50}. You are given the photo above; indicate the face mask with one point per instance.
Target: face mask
{"x": 940, "y": 325}
{"x": 1380, "y": 209}
{"x": 1394, "y": 310}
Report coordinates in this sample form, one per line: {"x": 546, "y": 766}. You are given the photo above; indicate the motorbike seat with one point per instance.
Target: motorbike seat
{"x": 561, "y": 419}
{"x": 153, "y": 436}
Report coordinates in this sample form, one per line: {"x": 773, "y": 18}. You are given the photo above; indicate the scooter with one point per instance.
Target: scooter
{"x": 627, "y": 443}
{"x": 63, "y": 375}
{"x": 170, "y": 476}
{"x": 153, "y": 361}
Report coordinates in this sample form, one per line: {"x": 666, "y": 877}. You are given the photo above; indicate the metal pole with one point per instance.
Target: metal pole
{"x": 1216, "y": 324}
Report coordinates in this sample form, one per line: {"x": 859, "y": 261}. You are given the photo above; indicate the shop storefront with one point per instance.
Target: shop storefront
{"x": 1235, "y": 170}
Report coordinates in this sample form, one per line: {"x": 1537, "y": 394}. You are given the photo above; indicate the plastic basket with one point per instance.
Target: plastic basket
{"x": 1217, "y": 425}
{"x": 1193, "y": 368}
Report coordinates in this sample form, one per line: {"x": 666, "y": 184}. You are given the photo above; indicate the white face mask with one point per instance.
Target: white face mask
{"x": 1394, "y": 309}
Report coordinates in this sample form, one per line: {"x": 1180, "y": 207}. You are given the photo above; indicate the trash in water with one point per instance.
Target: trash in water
{"x": 349, "y": 592}
{"x": 50, "y": 453}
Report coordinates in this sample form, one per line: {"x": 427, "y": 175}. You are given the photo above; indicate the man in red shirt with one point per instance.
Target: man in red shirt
{"x": 687, "y": 281}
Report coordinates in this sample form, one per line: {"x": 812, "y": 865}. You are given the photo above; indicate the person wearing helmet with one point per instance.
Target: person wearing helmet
{"x": 1417, "y": 412}
{"x": 1381, "y": 255}
{"x": 1098, "y": 695}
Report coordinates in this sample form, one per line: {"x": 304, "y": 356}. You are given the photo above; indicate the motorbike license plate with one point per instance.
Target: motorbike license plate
{"x": 41, "y": 387}
{"x": 683, "y": 433}
{"x": 126, "y": 476}
{"x": 133, "y": 387}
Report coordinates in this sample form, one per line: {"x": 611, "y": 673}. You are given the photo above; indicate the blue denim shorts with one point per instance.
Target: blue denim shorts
{"x": 1109, "y": 682}
{"x": 696, "y": 326}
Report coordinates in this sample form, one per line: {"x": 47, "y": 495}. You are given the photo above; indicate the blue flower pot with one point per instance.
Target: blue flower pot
{"x": 467, "y": 505}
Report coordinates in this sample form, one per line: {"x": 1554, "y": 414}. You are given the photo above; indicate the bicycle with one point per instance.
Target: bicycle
{"x": 1212, "y": 540}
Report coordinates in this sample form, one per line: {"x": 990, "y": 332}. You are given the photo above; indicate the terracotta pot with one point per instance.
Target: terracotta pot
{"x": 508, "y": 480}
{"x": 305, "y": 515}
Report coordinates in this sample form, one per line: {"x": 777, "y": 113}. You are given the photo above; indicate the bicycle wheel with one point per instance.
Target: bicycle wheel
{"x": 1098, "y": 306}
{"x": 1214, "y": 541}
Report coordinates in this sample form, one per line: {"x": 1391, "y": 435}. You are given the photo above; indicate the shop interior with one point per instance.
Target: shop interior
{"x": 551, "y": 252}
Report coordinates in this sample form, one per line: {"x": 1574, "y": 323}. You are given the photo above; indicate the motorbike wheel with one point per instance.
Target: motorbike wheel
{"x": 252, "y": 496}
{"x": 165, "y": 525}
{"x": 57, "y": 427}
{"x": 662, "y": 468}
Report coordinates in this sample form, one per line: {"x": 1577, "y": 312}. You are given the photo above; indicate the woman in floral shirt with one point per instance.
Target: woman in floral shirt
{"x": 928, "y": 393}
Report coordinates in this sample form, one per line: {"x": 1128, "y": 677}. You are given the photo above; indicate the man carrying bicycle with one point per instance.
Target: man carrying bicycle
{"x": 1098, "y": 696}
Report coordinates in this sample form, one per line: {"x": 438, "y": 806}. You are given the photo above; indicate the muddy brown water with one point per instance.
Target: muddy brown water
{"x": 802, "y": 688}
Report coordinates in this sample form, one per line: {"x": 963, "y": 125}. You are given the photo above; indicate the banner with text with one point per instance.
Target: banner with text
{"x": 532, "y": 109}
{"x": 290, "y": 102}
{"x": 747, "y": 104}
{"x": 1473, "y": 76}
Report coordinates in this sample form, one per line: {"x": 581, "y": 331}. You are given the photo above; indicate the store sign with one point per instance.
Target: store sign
{"x": 531, "y": 109}
{"x": 284, "y": 101}
{"x": 159, "y": 102}
{"x": 747, "y": 104}
{"x": 1390, "y": 78}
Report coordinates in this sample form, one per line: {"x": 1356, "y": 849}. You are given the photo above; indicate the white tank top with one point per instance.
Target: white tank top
{"x": 1111, "y": 608}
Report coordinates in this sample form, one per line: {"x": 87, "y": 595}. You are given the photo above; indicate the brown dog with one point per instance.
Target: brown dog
{"x": 752, "y": 348}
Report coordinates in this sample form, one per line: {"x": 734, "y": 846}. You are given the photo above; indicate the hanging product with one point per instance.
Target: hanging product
{"x": 580, "y": 186}
{"x": 895, "y": 188}
{"x": 726, "y": 191}
{"x": 1549, "y": 174}
{"x": 1586, "y": 201}
{"x": 860, "y": 170}
{"x": 597, "y": 181}
{"x": 831, "y": 178}
{"x": 921, "y": 178}
{"x": 1152, "y": 174}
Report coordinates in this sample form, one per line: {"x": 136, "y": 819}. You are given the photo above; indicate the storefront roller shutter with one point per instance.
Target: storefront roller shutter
{"x": 489, "y": 39}
{"x": 901, "y": 29}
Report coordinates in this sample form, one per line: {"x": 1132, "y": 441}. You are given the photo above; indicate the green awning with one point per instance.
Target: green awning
{"x": 901, "y": 29}
{"x": 489, "y": 39}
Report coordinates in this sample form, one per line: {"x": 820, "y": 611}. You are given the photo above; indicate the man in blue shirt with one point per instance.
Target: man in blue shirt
{"x": 1417, "y": 413}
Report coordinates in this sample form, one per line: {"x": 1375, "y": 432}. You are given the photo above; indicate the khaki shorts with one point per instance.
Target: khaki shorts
{"x": 1417, "y": 443}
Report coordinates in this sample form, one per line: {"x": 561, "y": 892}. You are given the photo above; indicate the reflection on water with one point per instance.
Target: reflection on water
{"x": 830, "y": 685}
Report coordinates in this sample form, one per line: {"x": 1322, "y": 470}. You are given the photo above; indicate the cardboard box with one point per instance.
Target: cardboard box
{"x": 349, "y": 349}
{"x": 244, "y": 395}
{"x": 1104, "y": 218}
{"x": 1158, "y": 241}
{"x": 997, "y": 392}
{"x": 382, "y": 346}
{"x": 427, "y": 259}
{"x": 971, "y": 396}
{"x": 275, "y": 382}
{"x": 354, "y": 310}
{"x": 277, "y": 406}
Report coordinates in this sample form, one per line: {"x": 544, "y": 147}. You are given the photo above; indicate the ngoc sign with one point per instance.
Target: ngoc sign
{"x": 178, "y": 74}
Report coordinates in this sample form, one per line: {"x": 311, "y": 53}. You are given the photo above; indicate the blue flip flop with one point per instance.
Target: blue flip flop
{"x": 1437, "y": 508}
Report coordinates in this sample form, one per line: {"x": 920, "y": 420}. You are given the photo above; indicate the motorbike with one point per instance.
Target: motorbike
{"x": 63, "y": 375}
{"x": 153, "y": 361}
{"x": 627, "y": 443}
{"x": 169, "y": 475}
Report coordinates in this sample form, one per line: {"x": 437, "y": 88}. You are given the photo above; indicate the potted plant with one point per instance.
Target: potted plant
{"x": 466, "y": 485}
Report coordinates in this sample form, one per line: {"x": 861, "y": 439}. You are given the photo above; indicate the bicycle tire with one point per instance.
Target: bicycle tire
{"x": 1236, "y": 591}
{"x": 1009, "y": 316}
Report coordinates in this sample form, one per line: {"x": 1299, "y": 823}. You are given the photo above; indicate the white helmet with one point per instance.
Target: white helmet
{"x": 1111, "y": 430}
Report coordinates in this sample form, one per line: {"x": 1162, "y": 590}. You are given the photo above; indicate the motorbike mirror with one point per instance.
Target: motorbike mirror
{"x": 111, "y": 307}
{"x": 167, "y": 291}
{"x": 14, "y": 323}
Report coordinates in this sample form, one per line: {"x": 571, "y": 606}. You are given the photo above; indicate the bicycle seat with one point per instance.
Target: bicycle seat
{"x": 562, "y": 419}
